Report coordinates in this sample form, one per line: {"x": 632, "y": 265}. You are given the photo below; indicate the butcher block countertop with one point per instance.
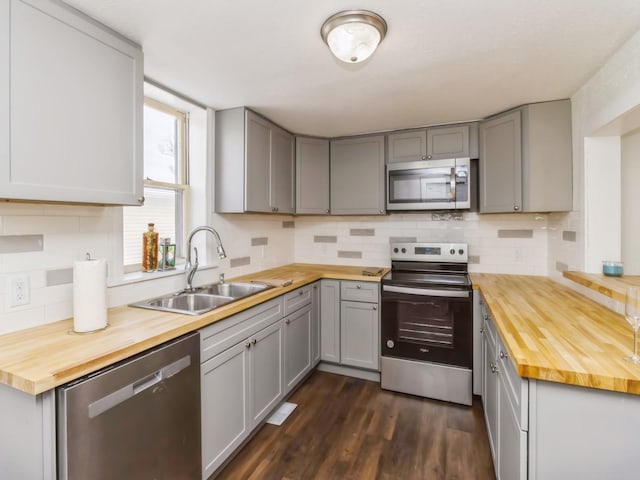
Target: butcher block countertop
{"x": 44, "y": 357}
{"x": 554, "y": 333}
{"x": 612, "y": 287}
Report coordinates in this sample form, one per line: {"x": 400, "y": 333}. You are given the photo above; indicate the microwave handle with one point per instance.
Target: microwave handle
{"x": 452, "y": 191}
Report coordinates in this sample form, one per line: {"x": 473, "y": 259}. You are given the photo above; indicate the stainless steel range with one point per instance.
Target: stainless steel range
{"x": 427, "y": 322}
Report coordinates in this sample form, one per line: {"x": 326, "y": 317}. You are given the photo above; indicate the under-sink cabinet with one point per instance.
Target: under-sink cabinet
{"x": 241, "y": 378}
{"x": 60, "y": 141}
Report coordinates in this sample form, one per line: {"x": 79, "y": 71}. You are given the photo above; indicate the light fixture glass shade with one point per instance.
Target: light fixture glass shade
{"x": 353, "y": 35}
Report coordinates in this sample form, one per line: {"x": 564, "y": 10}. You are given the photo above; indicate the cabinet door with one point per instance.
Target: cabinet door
{"x": 409, "y": 146}
{"x": 512, "y": 442}
{"x": 330, "y": 320}
{"x": 312, "y": 175}
{"x": 359, "y": 335}
{"x": 297, "y": 346}
{"x": 282, "y": 165}
{"x": 258, "y": 163}
{"x": 357, "y": 176}
{"x": 490, "y": 395}
{"x": 70, "y": 108}
{"x": 225, "y": 409}
{"x": 267, "y": 365}
{"x": 448, "y": 142}
{"x": 315, "y": 324}
{"x": 501, "y": 164}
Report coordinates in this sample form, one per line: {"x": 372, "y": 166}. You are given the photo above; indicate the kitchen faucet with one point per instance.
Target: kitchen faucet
{"x": 190, "y": 268}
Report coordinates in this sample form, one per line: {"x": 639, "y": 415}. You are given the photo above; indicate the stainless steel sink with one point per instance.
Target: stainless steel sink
{"x": 233, "y": 289}
{"x": 202, "y": 299}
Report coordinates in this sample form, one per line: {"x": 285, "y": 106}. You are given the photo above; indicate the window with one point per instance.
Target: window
{"x": 165, "y": 188}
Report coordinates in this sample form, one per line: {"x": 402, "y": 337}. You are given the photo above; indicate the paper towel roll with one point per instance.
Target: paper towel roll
{"x": 89, "y": 295}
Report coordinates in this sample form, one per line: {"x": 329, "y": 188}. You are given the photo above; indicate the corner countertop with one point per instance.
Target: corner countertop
{"x": 41, "y": 358}
{"x": 554, "y": 333}
{"x": 612, "y": 287}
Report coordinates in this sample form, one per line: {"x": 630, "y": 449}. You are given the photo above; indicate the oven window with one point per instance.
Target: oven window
{"x": 425, "y": 323}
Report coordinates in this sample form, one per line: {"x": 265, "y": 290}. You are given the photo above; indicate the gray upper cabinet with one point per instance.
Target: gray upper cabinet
{"x": 407, "y": 146}
{"x": 89, "y": 145}
{"x": 433, "y": 143}
{"x": 526, "y": 160}
{"x": 254, "y": 164}
{"x": 448, "y": 142}
{"x": 357, "y": 176}
{"x": 312, "y": 175}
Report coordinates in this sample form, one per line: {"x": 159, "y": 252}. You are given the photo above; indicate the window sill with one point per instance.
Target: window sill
{"x": 139, "y": 276}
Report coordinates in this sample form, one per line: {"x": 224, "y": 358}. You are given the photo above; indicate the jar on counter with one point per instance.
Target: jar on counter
{"x": 150, "y": 249}
{"x": 612, "y": 268}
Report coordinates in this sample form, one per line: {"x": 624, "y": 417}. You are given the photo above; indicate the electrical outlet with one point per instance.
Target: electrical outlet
{"x": 19, "y": 293}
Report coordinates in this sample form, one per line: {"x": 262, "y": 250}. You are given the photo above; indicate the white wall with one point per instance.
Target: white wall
{"x": 613, "y": 91}
{"x": 630, "y": 174}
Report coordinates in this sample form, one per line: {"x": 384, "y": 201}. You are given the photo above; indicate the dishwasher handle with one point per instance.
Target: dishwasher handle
{"x": 125, "y": 393}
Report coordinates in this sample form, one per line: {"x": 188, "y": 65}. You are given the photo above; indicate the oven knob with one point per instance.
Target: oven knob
{"x": 452, "y": 251}
{"x": 395, "y": 250}
{"x": 461, "y": 252}
{"x": 404, "y": 250}
{"x": 390, "y": 344}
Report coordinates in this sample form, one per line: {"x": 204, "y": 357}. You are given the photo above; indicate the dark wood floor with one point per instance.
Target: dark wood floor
{"x": 346, "y": 428}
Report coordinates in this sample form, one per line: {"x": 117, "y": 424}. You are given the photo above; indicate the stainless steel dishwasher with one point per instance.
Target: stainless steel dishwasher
{"x": 138, "y": 419}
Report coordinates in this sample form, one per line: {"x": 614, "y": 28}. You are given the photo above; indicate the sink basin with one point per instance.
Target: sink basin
{"x": 203, "y": 299}
{"x": 234, "y": 289}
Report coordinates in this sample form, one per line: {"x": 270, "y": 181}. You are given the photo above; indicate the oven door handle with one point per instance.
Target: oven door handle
{"x": 426, "y": 292}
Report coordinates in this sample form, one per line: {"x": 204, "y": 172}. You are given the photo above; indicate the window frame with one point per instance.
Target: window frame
{"x": 182, "y": 174}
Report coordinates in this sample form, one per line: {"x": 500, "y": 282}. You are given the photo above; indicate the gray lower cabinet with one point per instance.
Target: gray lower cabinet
{"x": 330, "y": 321}
{"x": 359, "y": 335}
{"x": 357, "y": 176}
{"x": 526, "y": 159}
{"x": 297, "y": 346}
{"x": 254, "y": 164}
{"x": 505, "y": 401}
{"x": 242, "y": 378}
{"x": 312, "y": 175}
{"x": 315, "y": 324}
{"x": 53, "y": 60}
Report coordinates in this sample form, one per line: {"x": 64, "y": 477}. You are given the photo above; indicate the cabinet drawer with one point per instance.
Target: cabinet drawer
{"x": 297, "y": 299}
{"x": 224, "y": 334}
{"x": 517, "y": 388}
{"x": 359, "y": 291}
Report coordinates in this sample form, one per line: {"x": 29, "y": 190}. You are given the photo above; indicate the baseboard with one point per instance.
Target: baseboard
{"x": 349, "y": 371}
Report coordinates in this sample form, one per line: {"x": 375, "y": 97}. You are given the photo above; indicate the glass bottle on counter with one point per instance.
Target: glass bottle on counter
{"x": 150, "y": 250}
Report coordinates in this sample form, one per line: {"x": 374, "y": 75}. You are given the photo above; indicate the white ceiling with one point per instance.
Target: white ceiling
{"x": 441, "y": 62}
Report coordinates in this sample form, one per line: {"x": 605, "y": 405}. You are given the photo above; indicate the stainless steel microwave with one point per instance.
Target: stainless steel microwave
{"x": 429, "y": 185}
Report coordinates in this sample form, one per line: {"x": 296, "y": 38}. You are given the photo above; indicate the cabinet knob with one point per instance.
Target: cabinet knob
{"x": 315, "y": 287}
{"x": 424, "y": 157}
{"x": 375, "y": 307}
{"x": 358, "y": 287}
{"x": 247, "y": 345}
{"x": 503, "y": 355}
{"x": 254, "y": 341}
{"x": 516, "y": 208}
{"x": 381, "y": 210}
{"x": 482, "y": 331}
{"x": 486, "y": 317}
{"x": 428, "y": 157}
{"x": 301, "y": 292}
{"x": 273, "y": 209}
{"x": 141, "y": 200}
{"x": 287, "y": 321}
{"x": 326, "y": 211}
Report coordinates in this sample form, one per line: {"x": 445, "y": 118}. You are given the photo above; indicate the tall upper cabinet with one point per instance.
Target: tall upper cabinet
{"x": 254, "y": 164}
{"x": 312, "y": 175}
{"x": 357, "y": 175}
{"x": 526, "y": 161}
{"x": 70, "y": 107}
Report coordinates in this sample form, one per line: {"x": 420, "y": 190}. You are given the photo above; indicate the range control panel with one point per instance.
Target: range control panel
{"x": 430, "y": 252}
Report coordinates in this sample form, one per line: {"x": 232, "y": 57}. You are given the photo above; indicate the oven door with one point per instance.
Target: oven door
{"x": 427, "y": 324}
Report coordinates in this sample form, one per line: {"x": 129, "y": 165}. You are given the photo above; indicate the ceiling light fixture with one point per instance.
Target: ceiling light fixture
{"x": 353, "y": 35}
